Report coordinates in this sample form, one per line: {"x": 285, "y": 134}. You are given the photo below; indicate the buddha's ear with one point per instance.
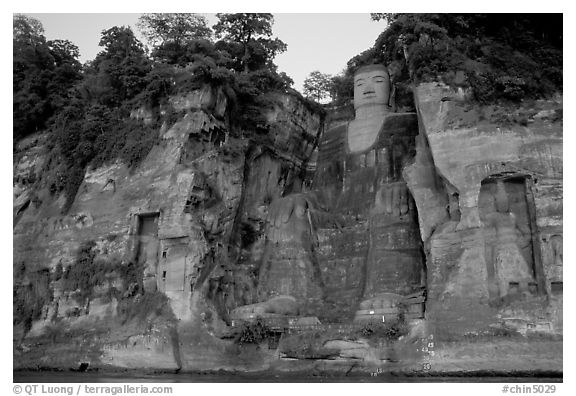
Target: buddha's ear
{"x": 394, "y": 69}
{"x": 392, "y": 96}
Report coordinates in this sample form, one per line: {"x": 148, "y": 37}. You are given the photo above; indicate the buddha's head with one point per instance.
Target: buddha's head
{"x": 371, "y": 87}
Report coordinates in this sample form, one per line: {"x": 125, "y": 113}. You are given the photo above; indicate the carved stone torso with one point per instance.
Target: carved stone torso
{"x": 349, "y": 181}
{"x": 367, "y": 189}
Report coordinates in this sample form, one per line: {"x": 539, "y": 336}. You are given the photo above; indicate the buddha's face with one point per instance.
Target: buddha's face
{"x": 371, "y": 87}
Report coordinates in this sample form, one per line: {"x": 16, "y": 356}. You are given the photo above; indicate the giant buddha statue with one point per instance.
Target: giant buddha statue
{"x": 352, "y": 241}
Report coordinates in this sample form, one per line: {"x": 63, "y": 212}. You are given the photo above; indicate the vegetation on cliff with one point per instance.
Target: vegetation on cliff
{"x": 89, "y": 111}
{"x": 89, "y": 277}
{"x": 499, "y": 57}
{"x": 318, "y": 85}
{"x": 43, "y": 73}
{"x": 252, "y": 333}
{"x": 31, "y": 294}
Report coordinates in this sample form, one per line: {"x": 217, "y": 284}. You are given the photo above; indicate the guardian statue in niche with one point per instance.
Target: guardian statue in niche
{"x": 353, "y": 240}
{"x": 508, "y": 236}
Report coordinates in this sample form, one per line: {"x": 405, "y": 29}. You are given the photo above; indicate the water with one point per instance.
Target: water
{"x": 133, "y": 377}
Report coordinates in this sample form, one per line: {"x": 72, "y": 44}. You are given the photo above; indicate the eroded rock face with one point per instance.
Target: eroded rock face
{"x": 28, "y": 162}
{"x": 190, "y": 216}
{"x": 488, "y": 212}
{"x": 457, "y": 222}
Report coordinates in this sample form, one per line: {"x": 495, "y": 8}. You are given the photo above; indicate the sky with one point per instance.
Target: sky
{"x": 323, "y": 42}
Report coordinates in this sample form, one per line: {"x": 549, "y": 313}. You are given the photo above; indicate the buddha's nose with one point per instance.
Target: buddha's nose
{"x": 369, "y": 89}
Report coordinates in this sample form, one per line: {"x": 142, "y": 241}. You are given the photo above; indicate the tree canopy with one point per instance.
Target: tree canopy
{"x": 249, "y": 39}
{"x": 118, "y": 72}
{"x": 173, "y": 27}
{"x": 318, "y": 86}
{"x": 174, "y": 36}
{"x": 27, "y": 30}
{"x": 43, "y": 74}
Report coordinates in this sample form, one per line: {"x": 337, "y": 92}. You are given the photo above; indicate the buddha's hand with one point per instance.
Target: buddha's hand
{"x": 392, "y": 199}
{"x": 288, "y": 218}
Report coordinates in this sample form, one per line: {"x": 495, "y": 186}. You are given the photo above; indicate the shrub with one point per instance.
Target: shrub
{"x": 87, "y": 272}
{"x": 252, "y": 333}
{"x": 308, "y": 345}
{"x": 132, "y": 276}
{"x": 387, "y": 331}
{"x": 31, "y": 292}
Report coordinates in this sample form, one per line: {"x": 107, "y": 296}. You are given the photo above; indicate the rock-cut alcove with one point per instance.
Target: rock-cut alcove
{"x": 509, "y": 228}
{"x": 146, "y": 255}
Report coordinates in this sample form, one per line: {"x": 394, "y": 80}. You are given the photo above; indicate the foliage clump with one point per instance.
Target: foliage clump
{"x": 89, "y": 272}
{"x": 44, "y": 72}
{"x": 31, "y": 294}
{"x": 310, "y": 344}
{"x": 248, "y": 39}
{"x": 317, "y": 85}
{"x": 83, "y": 277}
{"x": 252, "y": 332}
{"x": 390, "y": 331}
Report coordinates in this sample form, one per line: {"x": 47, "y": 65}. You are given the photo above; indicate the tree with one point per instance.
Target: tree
{"x": 318, "y": 86}
{"x": 43, "y": 74}
{"x": 378, "y": 16}
{"x": 174, "y": 36}
{"x": 177, "y": 28}
{"x": 119, "y": 42}
{"x": 26, "y": 29}
{"x": 65, "y": 75}
{"x": 31, "y": 57}
{"x": 252, "y": 33}
{"x": 118, "y": 72}
{"x": 342, "y": 88}
{"x": 64, "y": 51}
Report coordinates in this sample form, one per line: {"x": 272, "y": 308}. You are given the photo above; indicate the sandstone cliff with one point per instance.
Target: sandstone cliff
{"x": 175, "y": 245}
{"x": 189, "y": 220}
{"x": 490, "y": 211}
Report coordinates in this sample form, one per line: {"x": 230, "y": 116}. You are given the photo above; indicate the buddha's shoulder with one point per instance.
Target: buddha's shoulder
{"x": 334, "y": 134}
{"x": 400, "y": 124}
{"x": 334, "y": 140}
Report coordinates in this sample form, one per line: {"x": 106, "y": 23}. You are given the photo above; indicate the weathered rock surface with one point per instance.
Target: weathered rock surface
{"x": 460, "y": 215}
{"x": 190, "y": 215}
{"x": 490, "y": 211}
